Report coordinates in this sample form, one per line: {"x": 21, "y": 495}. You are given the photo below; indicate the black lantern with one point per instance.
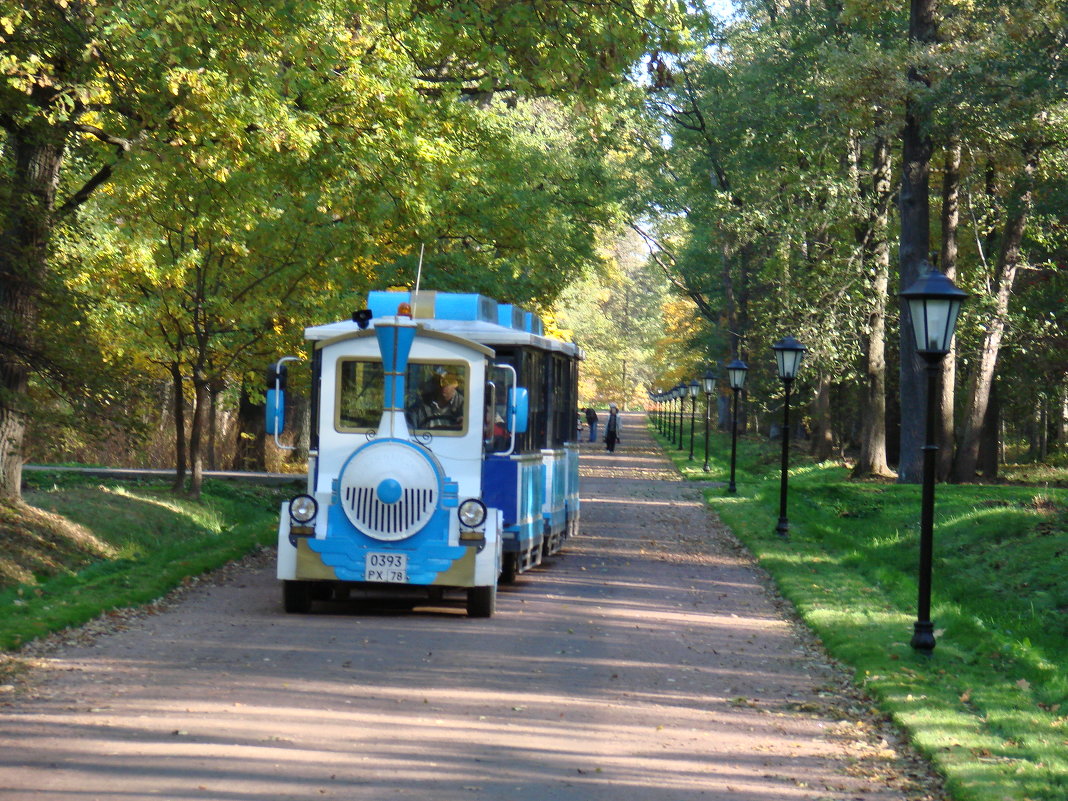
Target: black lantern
{"x": 934, "y": 303}
{"x": 736, "y": 372}
{"x": 709, "y": 385}
{"x": 788, "y": 353}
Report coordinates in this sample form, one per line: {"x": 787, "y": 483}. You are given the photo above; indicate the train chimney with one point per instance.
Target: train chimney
{"x": 395, "y": 337}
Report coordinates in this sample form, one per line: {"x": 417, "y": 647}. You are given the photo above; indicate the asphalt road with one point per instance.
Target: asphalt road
{"x": 648, "y": 662}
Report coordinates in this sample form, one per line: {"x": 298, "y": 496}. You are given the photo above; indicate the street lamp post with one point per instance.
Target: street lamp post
{"x": 709, "y": 382}
{"x": 693, "y": 411}
{"x": 736, "y": 372}
{"x": 672, "y": 394}
{"x": 934, "y": 303}
{"x": 682, "y": 413}
{"x": 788, "y": 353}
{"x": 670, "y": 398}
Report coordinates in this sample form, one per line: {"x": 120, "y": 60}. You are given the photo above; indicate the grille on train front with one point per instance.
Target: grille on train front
{"x": 388, "y": 521}
{"x": 389, "y": 489}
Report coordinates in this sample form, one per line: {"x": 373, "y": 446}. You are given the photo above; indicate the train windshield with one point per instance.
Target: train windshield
{"x": 435, "y": 398}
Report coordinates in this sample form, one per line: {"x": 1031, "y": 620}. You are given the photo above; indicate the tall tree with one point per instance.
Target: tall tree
{"x": 88, "y": 83}
{"x": 915, "y": 237}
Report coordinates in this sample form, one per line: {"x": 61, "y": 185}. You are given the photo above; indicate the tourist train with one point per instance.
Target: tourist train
{"x": 442, "y": 456}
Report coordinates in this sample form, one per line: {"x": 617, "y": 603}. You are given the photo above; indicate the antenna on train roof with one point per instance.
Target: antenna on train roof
{"x": 419, "y": 271}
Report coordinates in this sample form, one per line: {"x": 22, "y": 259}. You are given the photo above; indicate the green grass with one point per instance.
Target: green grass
{"x": 114, "y": 544}
{"x": 990, "y": 706}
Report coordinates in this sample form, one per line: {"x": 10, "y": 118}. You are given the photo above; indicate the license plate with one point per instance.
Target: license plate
{"x": 391, "y": 568}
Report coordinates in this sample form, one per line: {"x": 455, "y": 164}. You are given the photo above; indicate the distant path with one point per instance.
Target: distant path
{"x": 648, "y": 663}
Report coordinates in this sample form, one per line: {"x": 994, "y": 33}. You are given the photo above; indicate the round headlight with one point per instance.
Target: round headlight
{"x": 303, "y": 509}
{"x": 472, "y": 512}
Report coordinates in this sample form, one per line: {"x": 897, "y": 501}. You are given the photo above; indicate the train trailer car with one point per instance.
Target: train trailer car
{"x": 442, "y": 451}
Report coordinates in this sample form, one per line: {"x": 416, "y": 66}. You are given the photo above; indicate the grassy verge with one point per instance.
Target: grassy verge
{"x": 85, "y": 546}
{"x": 990, "y": 706}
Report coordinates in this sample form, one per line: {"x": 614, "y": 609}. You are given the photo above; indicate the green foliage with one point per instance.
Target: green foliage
{"x": 241, "y": 172}
{"x": 764, "y": 202}
{"x": 617, "y": 316}
{"x": 989, "y": 706}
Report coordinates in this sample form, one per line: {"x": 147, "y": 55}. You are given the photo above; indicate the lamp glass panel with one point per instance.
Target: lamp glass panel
{"x": 933, "y": 322}
{"x": 737, "y": 377}
{"x": 789, "y": 360}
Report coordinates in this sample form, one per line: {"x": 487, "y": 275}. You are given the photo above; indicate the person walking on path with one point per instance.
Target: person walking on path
{"x": 611, "y": 428}
{"x": 591, "y": 421}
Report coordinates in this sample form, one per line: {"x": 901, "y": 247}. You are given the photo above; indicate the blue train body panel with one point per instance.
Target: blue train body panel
{"x": 513, "y": 484}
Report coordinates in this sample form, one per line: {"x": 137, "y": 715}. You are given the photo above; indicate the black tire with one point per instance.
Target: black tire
{"x": 481, "y": 601}
{"x": 296, "y": 597}
{"x": 509, "y": 568}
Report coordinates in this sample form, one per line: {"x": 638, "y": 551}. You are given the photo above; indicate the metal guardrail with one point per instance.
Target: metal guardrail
{"x": 135, "y": 473}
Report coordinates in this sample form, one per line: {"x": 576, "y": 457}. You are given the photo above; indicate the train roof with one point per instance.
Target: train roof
{"x": 467, "y": 315}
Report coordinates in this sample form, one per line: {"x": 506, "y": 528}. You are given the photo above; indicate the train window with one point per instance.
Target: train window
{"x": 360, "y": 389}
{"x": 495, "y": 433}
{"x": 437, "y": 397}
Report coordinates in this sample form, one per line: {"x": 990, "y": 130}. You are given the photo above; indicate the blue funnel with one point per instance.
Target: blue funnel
{"x": 395, "y": 342}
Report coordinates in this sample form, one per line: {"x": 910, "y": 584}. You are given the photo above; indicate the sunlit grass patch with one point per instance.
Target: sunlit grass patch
{"x": 96, "y": 546}
{"x": 990, "y": 706}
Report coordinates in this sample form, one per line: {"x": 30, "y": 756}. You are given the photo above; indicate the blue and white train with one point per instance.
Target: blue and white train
{"x": 443, "y": 451}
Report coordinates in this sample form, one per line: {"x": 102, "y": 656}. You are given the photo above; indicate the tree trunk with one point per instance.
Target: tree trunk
{"x": 301, "y": 438}
{"x": 179, "y": 427}
{"x": 250, "y": 451}
{"x": 914, "y": 242}
{"x": 876, "y": 247}
{"x": 1062, "y": 423}
{"x": 967, "y": 461}
{"x": 823, "y": 433}
{"x": 990, "y": 441}
{"x": 31, "y": 159}
{"x": 201, "y": 405}
{"x": 736, "y": 322}
{"x": 950, "y": 224}
{"x": 213, "y": 422}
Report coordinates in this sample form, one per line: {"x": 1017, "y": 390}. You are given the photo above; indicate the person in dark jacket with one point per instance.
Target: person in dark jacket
{"x": 611, "y": 428}
{"x": 591, "y": 421}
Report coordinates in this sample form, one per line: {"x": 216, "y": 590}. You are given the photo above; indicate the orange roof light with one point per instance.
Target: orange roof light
{"x": 404, "y": 310}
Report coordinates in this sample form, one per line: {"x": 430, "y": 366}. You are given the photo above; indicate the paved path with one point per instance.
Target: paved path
{"x": 647, "y": 663}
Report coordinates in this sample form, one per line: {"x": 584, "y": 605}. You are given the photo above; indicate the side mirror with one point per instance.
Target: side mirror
{"x": 276, "y": 399}
{"x": 518, "y": 410}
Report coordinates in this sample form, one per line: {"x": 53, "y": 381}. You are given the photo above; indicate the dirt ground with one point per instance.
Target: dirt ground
{"x": 650, "y": 661}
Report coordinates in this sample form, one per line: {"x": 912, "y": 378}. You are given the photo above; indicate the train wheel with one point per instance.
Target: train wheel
{"x": 296, "y": 597}
{"x": 509, "y": 568}
{"x": 481, "y": 601}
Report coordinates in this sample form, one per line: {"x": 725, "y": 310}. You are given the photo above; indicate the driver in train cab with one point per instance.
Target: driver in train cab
{"x": 443, "y": 406}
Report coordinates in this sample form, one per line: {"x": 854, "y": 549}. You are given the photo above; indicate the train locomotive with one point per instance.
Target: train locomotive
{"x": 442, "y": 455}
